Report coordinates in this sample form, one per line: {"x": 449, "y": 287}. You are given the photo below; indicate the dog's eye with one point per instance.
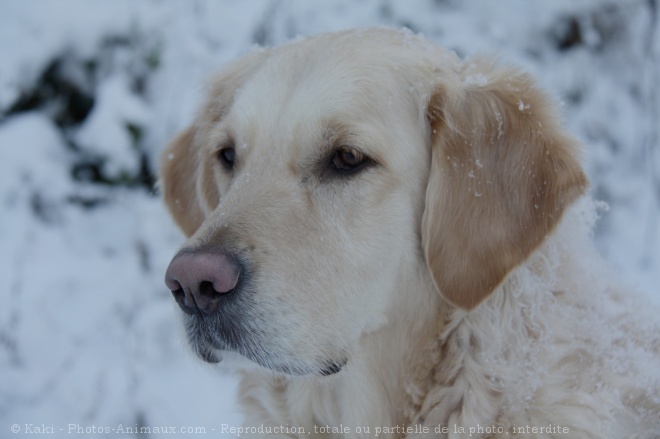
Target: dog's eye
{"x": 348, "y": 160}
{"x": 227, "y": 156}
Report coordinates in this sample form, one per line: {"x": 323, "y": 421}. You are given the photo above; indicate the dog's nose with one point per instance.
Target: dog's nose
{"x": 199, "y": 279}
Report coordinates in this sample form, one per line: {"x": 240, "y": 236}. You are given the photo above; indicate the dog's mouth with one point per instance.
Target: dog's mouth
{"x": 208, "y": 345}
{"x": 209, "y": 355}
{"x": 201, "y": 342}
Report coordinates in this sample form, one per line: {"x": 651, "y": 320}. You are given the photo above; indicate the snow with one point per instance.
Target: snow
{"x": 89, "y": 335}
{"x": 116, "y": 107}
{"x": 522, "y": 106}
{"x": 478, "y": 79}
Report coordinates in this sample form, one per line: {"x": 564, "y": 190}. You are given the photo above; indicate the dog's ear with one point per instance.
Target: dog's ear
{"x": 186, "y": 175}
{"x": 502, "y": 174}
{"x": 179, "y": 172}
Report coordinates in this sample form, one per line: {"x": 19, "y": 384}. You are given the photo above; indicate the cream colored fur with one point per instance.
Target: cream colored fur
{"x": 455, "y": 276}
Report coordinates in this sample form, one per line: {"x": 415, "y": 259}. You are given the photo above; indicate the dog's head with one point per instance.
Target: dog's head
{"x": 321, "y": 174}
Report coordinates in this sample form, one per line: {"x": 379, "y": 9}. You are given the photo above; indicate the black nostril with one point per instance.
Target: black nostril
{"x": 206, "y": 289}
{"x": 180, "y": 297}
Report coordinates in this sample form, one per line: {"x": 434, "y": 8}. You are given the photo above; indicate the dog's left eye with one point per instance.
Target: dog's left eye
{"x": 347, "y": 160}
{"x": 227, "y": 156}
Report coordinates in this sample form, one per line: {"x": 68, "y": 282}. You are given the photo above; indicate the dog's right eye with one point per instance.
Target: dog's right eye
{"x": 343, "y": 162}
{"x": 227, "y": 156}
{"x": 347, "y": 161}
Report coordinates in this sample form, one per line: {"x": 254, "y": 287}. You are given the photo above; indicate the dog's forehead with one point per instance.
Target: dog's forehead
{"x": 346, "y": 79}
{"x": 299, "y": 87}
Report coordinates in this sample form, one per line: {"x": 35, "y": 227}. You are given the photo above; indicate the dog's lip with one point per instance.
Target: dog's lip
{"x": 203, "y": 346}
{"x": 207, "y": 353}
{"x": 212, "y": 355}
{"x": 209, "y": 356}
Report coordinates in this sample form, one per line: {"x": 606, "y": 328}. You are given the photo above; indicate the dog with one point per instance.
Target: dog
{"x": 386, "y": 240}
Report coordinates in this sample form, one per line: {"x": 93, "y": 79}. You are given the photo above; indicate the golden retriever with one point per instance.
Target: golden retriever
{"x": 386, "y": 240}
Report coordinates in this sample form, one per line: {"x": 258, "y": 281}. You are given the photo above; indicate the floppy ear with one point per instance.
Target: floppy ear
{"x": 502, "y": 174}
{"x": 180, "y": 164}
{"x": 186, "y": 175}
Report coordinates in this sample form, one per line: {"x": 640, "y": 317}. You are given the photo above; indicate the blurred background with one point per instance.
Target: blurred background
{"x": 90, "y": 93}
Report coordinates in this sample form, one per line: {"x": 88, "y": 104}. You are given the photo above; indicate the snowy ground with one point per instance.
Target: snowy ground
{"x": 90, "y": 92}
